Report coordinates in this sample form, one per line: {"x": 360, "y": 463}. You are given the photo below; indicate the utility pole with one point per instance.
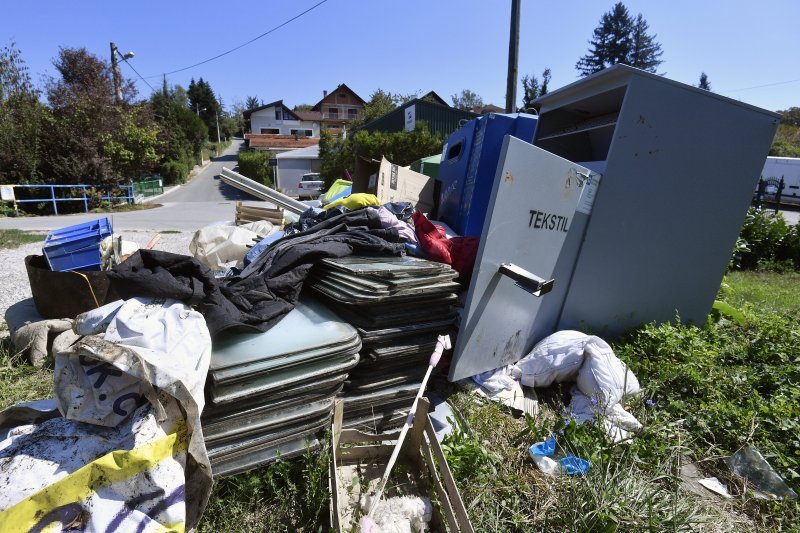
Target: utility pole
{"x": 116, "y": 74}
{"x": 216, "y": 115}
{"x": 513, "y": 53}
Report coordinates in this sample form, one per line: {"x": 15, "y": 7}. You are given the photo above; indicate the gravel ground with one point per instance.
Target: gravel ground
{"x": 14, "y": 278}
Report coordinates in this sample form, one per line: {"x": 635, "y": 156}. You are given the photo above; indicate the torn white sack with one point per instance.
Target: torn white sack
{"x": 602, "y": 379}
{"x": 223, "y": 247}
{"x": 132, "y": 398}
{"x": 61, "y": 474}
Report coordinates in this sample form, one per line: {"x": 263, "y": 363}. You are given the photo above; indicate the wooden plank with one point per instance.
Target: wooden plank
{"x": 444, "y": 500}
{"x": 356, "y": 436}
{"x": 412, "y": 447}
{"x": 372, "y": 452}
{"x": 458, "y": 504}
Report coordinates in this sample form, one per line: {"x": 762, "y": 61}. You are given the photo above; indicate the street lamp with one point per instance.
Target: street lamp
{"x": 115, "y": 70}
{"x": 197, "y": 106}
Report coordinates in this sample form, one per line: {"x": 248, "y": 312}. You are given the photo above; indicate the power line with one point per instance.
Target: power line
{"x": 137, "y": 73}
{"x": 760, "y": 86}
{"x": 279, "y": 26}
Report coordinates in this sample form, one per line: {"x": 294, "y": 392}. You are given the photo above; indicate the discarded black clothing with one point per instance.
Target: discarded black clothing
{"x": 313, "y": 216}
{"x": 268, "y": 288}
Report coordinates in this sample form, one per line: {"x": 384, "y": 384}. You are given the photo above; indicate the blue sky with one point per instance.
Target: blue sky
{"x": 749, "y": 50}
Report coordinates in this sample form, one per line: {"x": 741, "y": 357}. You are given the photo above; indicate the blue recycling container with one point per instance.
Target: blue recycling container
{"x": 468, "y": 167}
{"x": 76, "y": 247}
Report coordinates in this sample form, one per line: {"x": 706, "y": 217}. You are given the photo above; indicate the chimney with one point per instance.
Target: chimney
{"x": 324, "y": 94}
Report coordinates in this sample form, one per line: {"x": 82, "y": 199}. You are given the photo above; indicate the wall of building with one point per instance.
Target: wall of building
{"x": 290, "y": 171}
{"x": 265, "y": 118}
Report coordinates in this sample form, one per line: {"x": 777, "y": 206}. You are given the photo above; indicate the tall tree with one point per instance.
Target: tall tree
{"x": 620, "y": 39}
{"x": 252, "y": 102}
{"x": 645, "y": 51}
{"x": 21, "y": 116}
{"x": 204, "y": 103}
{"x": 183, "y": 133}
{"x": 531, "y": 89}
{"x": 89, "y": 138}
{"x": 704, "y": 82}
{"x": 467, "y": 100}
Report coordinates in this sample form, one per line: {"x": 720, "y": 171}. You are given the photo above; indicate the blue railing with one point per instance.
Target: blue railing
{"x": 85, "y": 198}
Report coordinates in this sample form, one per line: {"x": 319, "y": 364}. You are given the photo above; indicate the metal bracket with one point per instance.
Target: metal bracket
{"x": 526, "y": 280}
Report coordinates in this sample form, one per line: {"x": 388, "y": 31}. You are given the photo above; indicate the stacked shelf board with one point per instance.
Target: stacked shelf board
{"x": 269, "y": 394}
{"x": 399, "y": 306}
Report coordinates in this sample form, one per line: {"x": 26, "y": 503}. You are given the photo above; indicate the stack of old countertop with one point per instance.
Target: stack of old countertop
{"x": 270, "y": 393}
{"x": 399, "y": 306}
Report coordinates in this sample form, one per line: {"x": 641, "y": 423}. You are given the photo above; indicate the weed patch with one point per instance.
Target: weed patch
{"x": 13, "y": 238}
{"x": 19, "y": 381}
{"x": 284, "y": 496}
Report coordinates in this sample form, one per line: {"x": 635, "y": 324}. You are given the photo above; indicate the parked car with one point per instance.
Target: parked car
{"x": 310, "y": 186}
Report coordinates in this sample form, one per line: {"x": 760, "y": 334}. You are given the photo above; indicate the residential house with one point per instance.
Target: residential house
{"x": 277, "y": 119}
{"x": 338, "y": 108}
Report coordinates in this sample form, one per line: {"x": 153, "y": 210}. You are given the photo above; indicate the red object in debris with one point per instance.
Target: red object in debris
{"x": 460, "y": 252}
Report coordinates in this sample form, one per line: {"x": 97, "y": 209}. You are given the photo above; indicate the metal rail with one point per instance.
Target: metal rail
{"x": 259, "y": 190}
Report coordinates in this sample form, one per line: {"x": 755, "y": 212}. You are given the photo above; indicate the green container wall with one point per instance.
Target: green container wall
{"x": 428, "y": 165}
{"x": 440, "y": 119}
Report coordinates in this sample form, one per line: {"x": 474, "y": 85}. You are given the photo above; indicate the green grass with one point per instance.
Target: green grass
{"x": 19, "y": 381}
{"x": 13, "y": 238}
{"x": 777, "y": 292}
{"x": 284, "y": 496}
{"x": 168, "y": 231}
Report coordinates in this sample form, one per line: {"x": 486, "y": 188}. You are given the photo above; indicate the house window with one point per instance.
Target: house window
{"x": 270, "y": 131}
{"x": 278, "y": 113}
{"x": 352, "y": 114}
{"x": 333, "y": 126}
{"x": 304, "y": 133}
{"x": 333, "y": 112}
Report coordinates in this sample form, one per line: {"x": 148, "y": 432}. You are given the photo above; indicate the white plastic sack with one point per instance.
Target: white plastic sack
{"x": 602, "y": 380}
{"x": 554, "y": 359}
{"x": 66, "y": 475}
{"x": 603, "y": 376}
{"x": 223, "y": 247}
{"x": 140, "y": 462}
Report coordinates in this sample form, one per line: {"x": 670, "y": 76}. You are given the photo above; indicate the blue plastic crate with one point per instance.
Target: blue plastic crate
{"x": 76, "y": 247}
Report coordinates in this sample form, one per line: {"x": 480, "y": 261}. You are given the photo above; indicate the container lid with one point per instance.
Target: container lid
{"x": 309, "y": 326}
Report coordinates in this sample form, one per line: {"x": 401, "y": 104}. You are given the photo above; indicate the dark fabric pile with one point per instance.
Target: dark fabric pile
{"x": 267, "y": 289}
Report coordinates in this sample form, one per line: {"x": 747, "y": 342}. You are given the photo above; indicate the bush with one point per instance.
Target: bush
{"x": 174, "y": 172}
{"x": 255, "y": 165}
{"x": 769, "y": 242}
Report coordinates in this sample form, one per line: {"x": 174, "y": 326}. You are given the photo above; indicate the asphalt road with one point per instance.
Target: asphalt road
{"x": 202, "y": 201}
{"x": 206, "y": 186}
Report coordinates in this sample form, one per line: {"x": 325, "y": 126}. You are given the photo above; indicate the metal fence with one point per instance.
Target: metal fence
{"x": 149, "y": 188}
{"x": 88, "y": 193}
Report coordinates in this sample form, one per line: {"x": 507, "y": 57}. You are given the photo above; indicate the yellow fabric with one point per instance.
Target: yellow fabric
{"x": 354, "y": 201}
{"x": 337, "y": 187}
{"x": 111, "y": 468}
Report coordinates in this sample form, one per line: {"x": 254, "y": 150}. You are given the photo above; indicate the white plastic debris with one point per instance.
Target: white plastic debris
{"x": 714, "y": 485}
{"x": 401, "y": 514}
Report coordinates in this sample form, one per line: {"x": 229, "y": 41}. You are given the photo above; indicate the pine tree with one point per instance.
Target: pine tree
{"x": 704, "y": 82}
{"x": 645, "y": 51}
{"x": 620, "y": 39}
{"x": 531, "y": 89}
